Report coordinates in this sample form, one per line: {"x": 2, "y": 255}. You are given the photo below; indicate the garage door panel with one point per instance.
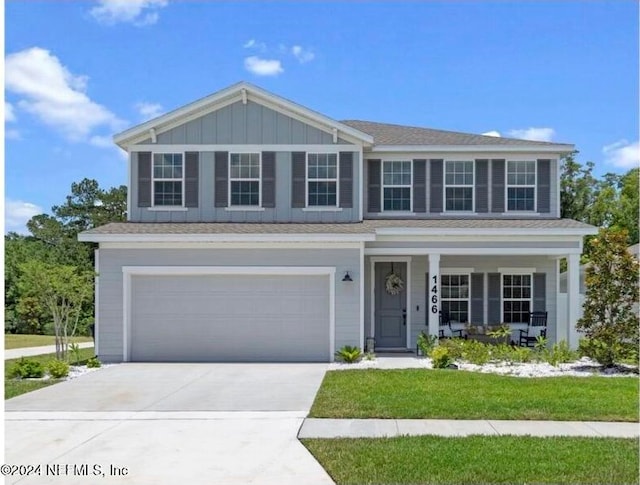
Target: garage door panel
{"x": 230, "y": 318}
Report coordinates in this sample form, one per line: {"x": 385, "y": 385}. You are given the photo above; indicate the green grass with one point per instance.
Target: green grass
{"x": 478, "y": 459}
{"x": 18, "y": 341}
{"x": 15, "y": 387}
{"x": 446, "y": 394}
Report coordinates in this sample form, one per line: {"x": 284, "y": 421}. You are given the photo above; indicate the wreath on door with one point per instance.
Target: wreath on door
{"x": 393, "y": 283}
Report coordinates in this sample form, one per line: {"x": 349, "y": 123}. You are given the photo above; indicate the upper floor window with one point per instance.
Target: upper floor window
{"x": 458, "y": 182}
{"x": 244, "y": 179}
{"x": 396, "y": 184}
{"x": 516, "y": 298}
{"x": 521, "y": 185}
{"x": 455, "y": 296}
{"x": 322, "y": 180}
{"x": 168, "y": 176}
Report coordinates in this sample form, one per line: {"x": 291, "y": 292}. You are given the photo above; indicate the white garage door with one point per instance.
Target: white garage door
{"x": 230, "y": 318}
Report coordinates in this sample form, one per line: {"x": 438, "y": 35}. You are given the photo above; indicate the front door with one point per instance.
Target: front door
{"x": 390, "y": 307}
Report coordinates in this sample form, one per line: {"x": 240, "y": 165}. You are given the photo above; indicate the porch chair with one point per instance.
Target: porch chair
{"x": 445, "y": 322}
{"x": 537, "y": 326}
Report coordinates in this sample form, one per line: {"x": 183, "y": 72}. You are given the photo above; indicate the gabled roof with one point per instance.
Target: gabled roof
{"x": 390, "y": 134}
{"x": 239, "y": 91}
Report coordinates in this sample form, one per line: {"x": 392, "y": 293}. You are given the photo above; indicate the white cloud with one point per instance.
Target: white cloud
{"x": 148, "y": 111}
{"x": 254, "y": 44}
{"x": 536, "y": 134}
{"x": 492, "y": 133}
{"x": 263, "y": 67}
{"x": 12, "y": 135}
{"x": 623, "y": 154}
{"x": 53, "y": 94}
{"x": 9, "y": 115}
{"x": 17, "y": 213}
{"x": 136, "y": 12}
{"x": 101, "y": 141}
{"x": 303, "y": 55}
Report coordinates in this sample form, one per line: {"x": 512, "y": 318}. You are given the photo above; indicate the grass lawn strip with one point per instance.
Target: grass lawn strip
{"x": 446, "y": 394}
{"x": 19, "y": 341}
{"x": 478, "y": 459}
{"x": 15, "y": 387}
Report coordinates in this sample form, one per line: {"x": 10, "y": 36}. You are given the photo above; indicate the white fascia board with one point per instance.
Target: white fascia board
{"x": 392, "y": 231}
{"x": 557, "y": 149}
{"x": 231, "y": 245}
{"x": 447, "y": 251}
{"x": 186, "y": 238}
{"x": 234, "y": 93}
{"x": 229, "y": 270}
{"x": 168, "y": 148}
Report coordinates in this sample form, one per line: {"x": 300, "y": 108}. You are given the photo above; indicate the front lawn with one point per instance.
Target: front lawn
{"x": 19, "y": 341}
{"x": 478, "y": 459}
{"x": 15, "y": 387}
{"x": 447, "y": 394}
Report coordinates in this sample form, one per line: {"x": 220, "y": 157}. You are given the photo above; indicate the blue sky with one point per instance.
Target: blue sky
{"x": 77, "y": 72}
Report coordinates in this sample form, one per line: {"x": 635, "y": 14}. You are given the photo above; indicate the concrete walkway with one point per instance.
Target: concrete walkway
{"x": 43, "y": 349}
{"x": 378, "y": 428}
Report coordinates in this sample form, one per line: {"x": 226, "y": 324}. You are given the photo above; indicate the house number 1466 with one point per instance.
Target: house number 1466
{"x": 434, "y": 294}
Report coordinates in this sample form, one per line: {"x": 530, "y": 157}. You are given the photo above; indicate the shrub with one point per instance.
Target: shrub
{"x": 27, "y": 368}
{"x": 441, "y": 358}
{"x": 605, "y": 353}
{"x": 58, "y": 369}
{"x": 475, "y": 352}
{"x": 454, "y": 346}
{"x": 426, "y": 343}
{"x": 349, "y": 354}
{"x": 560, "y": 353}
{"x": 503, "y": 352}
{"x": 367, "y": 356}
{"x": 93, "y": 362}
{"x": 522, "y": 354}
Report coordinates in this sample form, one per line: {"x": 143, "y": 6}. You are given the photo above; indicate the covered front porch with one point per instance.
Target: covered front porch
{"x": 477, "y": 280}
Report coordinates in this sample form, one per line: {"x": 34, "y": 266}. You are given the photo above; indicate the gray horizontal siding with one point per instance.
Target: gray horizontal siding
{"x": 207, "y": 212}
{"x": 112, "y": 260}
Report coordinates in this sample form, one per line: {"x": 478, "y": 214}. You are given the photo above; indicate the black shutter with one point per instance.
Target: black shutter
{"x": 374, "y": 188}
{"x": 539, "y": 292}
{"x": 494, "y": 309}
{"x": 497, "y": 186}
{"x": 221, "y": 175}
{"x": 436, "y": 185}
{"x": 477, "y": 298}
{"x": 298, "y": 179}
{"x": 544, "y": 186}
{"x": 419, "y": 186}
{"x": 268, "y": 179}
{"x": 144, "y": 179}
{"x": 346, "y": 180}
{"x": 191, "y": 169}
{"x": 482, "y": 185}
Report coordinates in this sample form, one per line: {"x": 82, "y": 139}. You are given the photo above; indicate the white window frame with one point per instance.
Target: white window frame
{"x": 464, "y": 186}
{"x": 243, "y": 179}
{"x": 503, "y": 299}
{"x": 508, "y": 186}
{"x": 384, "y": 186}
{"x": 154, "y": 180}
{"x": 307, "y": 180}
{"x": 468, "y": 299}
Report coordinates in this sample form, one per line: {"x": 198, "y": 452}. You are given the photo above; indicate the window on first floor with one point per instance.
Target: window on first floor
{"x": 458, "y": 181}
{"x": 168, "y": 176}
{"x": 396, "y": 186}
{"x": 455, "y": 296}
{"x": 244, "y": 179}
{"x": 322, "y": 180}
{"x": 516, "y": 298}
{"x": 521, "y": 185}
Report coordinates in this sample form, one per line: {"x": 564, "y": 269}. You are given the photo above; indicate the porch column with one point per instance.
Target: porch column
{"x": 433, "y": 300}
{"x": 566, "y": 331}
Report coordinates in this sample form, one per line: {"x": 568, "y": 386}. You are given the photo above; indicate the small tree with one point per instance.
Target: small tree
{"x": 610, "y": 311}
{"x": 62, "y": 290}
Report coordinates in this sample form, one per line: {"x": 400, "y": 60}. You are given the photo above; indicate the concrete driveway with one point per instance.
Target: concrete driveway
{"x": 166, "y": 424}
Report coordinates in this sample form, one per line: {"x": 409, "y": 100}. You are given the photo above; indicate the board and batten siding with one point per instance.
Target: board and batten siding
{"x": 244, "y": 124}
{"x": 482, "y": 266}
{"x": 486, "y": 203}
{"x": 110, "y": 303}
{"x": 206, "y": 210}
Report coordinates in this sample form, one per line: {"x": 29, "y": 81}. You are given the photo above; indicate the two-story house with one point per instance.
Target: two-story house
{"x": 260, "y": 230}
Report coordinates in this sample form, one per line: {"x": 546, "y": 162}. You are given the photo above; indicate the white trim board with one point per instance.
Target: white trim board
{"x": 201, "y": 147}
{"x": 128, "y": 272}
{"x": 247, "y": 238}
{"x": 223, "y": 245}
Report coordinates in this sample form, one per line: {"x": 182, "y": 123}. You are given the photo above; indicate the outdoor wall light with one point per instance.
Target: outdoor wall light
{"x": 347, "y": 276}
